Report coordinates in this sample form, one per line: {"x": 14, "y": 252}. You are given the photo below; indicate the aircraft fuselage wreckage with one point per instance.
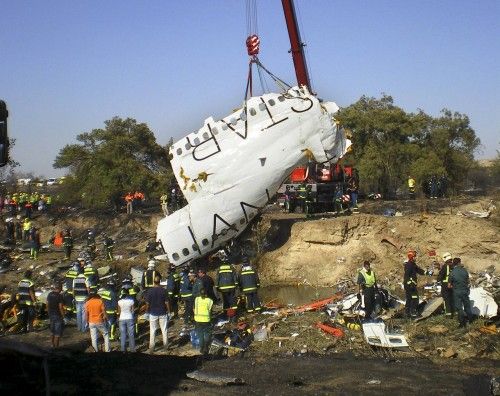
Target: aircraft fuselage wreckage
{"x": 229, "y": 169}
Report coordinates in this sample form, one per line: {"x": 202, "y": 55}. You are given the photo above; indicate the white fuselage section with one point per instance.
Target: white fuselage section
{"x": 229, "y": 169}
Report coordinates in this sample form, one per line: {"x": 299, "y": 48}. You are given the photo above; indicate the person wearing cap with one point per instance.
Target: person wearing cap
{"x": 203, "y": 318}
{"x": 96, "y": 317}
{"x": 367, "y": 286}
{"x": 249, "y": 283}
{"x": 459, "y": 281}
{"x": 188, "y": 277}
{"x": 27, "y": 300}
{"x": 446, "y": 289}
{"x": 55, "y": 310}
{"x": 149, "y": 275}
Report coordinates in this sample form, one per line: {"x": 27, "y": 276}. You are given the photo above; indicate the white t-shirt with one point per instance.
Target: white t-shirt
{"x": 126, "y": 308}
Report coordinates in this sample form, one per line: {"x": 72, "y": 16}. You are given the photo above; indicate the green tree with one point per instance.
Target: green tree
{"x": 109, "y": 162}
{"x": 391, "y": 144}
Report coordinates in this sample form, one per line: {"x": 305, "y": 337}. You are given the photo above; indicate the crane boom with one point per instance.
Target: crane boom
{"x": 297, "y": 47}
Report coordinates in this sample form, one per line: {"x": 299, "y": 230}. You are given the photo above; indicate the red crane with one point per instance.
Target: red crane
{"x": 297, "y": 46}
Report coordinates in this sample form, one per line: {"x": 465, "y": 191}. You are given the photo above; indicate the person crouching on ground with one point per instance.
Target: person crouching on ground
{"x": 96, "y": 319}
{"x": 158, "y": 308}
{"x": 202, "y": 318}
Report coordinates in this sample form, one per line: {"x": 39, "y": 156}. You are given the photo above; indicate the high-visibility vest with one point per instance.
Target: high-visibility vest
{"x": 26, "y": 225}
{"x": 202, "y": 309}
{"x": 226, "y": 279}
{"x": 68, "y": 241}
{"x": 445, "y": 279}
{"x": 411, "y": 182}
{"x": 24, "y": 291}
{"x": 369, "y": 279}
{"x": 80, "y": 288}
{"x": 248, "y": 280}
{"x": 69, "y": 277}
{"x": 149, "y": 278}
{"x": 109, "y": 299}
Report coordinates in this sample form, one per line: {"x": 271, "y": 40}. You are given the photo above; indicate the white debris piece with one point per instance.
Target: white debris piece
{"x": 375, "y": 335}
{"x": 230, "y": 168}
{"x": 482, "y": 303}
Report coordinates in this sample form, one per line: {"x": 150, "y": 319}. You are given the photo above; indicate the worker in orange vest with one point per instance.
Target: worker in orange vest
{"x": 129, "y": 198}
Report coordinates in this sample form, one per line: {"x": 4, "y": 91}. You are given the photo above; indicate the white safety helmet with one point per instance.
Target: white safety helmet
{"x": 151, "y": 263}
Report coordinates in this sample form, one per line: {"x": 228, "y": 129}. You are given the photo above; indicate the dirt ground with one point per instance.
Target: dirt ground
{"x": 290, "y": 250}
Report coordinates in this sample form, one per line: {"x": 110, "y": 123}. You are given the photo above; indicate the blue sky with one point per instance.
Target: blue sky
{"x": 66, "y": 67}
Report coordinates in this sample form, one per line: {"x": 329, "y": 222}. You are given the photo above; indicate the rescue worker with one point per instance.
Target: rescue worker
{"x": 110, "y": 299}
{"x": 27, "y": 301}
{"x": 352, "y": 190}
{"x": 26, "y": 228}
{"x": 91, "y": 243}
{"x": 411, "y": 269}
{"x": 164, "y": 204}
{"x": 188, "y": 278}
{"x": 459, "y": 282}
{"x": 91, "y": 275}
{"x": 367, "y": 287}
{"x": 129, "y": 199}
{"x": 148, "y": 277}
{"x": 35, "y": 243}
{"x": 249, "y": 283}
{"x": 70, "y": 275}
{"x": 67, "y": 244}
{"x": 226, "y": 282}
{"x": 109, "y": 245}
{"x": 204, "y": 281}
{"x": 411, "y": 187}
{"x": 9, "y": 230}
{"x": 202, "y": 318}
{"x": 80, "y": 293}
{"x": 173, "y": 287}
{"x": 443, "y": 278}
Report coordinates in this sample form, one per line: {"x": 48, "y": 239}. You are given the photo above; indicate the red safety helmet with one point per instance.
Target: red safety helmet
{"x": 411, "y": 254}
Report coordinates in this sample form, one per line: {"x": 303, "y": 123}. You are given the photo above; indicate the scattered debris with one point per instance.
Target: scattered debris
{"x": 430, "y": 307}
{"x": 334, "y": 331}
{"x": 375, "y": 334}
{"x": 214, "y": 379}
{"x": 449, "y": 353}
{"x": 483, "y": 303}
{"x": 438, "y": 329}
{"x": 374, "y": 382}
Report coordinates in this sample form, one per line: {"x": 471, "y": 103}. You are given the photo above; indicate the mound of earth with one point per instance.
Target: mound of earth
{"x": 326, "y": 250}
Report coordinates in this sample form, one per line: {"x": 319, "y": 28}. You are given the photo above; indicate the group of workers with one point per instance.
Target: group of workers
{"x": 133, "y": 199}
{"x": 103, "y": 306}
{"x": 433, "y": 187}
{"x": 452, "y": 277}
{"x": 18, "y": 202}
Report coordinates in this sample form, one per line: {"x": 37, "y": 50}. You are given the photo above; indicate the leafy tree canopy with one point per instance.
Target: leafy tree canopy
{"x": 109, "y": 162}
{"x": 391, "y": 144}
